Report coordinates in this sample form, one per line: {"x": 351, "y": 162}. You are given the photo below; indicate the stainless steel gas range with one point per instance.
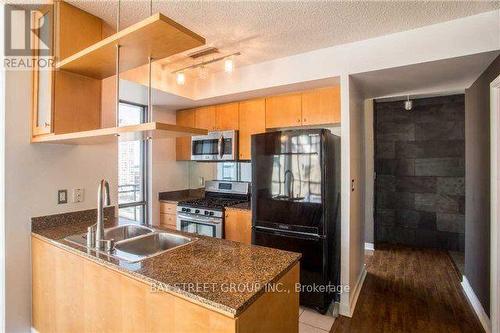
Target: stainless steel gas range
{"x": 205, "y": 216}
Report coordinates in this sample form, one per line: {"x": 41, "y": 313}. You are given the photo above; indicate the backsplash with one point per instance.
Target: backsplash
{"x": 237, "y": 171}
{"x": 43, "y": 222}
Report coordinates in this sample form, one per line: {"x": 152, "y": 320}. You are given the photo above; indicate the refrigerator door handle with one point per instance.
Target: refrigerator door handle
{"x": 295, "y": 234}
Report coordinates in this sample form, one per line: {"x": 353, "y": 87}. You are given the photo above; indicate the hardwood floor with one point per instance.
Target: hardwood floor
{"x": 410, "y": 290}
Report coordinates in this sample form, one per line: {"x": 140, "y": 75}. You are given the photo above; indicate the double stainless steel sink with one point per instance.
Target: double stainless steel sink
{"x": 134, "y": 243}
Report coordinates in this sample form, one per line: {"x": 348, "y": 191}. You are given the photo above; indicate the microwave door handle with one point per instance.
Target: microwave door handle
{"x": 221, "y": 146}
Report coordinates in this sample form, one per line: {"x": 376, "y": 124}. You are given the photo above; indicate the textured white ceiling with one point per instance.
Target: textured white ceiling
{"x": 443, "y": 76}
{"x": 265, "y": 30}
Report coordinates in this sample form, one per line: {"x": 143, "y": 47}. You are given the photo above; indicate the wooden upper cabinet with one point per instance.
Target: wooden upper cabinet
{"x": 65, "y": 102}
{"x": 226, "y": 117}
{"x": 186, "y": 117}
{"x": 252, "y": 121}
{"x": 76, "y": 30}
{"x": 284, "y": 111}
{"x": 238, "y": 225}
{"x": 321, "y": 106}
{"x": 43, "y": 80}
{"x": 205, "y": 118}
{"x": 183, "y": 145}
{"x": 77, "y": 103}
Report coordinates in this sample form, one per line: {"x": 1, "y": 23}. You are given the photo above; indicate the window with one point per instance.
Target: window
{"x": 132, "y": 167}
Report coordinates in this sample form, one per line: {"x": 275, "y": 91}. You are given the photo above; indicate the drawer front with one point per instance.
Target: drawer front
{"x": 168, "y": 208}
{"x": 168, "y": 220}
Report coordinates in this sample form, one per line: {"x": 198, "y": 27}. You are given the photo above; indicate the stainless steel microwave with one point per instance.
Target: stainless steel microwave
{"x": 216, "y": 146}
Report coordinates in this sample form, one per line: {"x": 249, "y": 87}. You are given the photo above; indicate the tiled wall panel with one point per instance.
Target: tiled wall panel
{"x": 420, "y": 166}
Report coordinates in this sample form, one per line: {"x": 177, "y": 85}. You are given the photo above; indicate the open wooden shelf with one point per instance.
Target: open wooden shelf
{"x": 154, "y": 130}
{"x": 157, "y": 36}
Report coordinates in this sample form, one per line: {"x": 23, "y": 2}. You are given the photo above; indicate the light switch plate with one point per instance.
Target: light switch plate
{"x": 78, "y": 195}
{"x": 62, "y": 197}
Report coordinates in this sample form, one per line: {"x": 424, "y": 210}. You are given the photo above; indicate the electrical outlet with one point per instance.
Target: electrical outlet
{"x": 202, "y": 181}
{"x": 62, "y": 197}
{"x": 78, "y": 195}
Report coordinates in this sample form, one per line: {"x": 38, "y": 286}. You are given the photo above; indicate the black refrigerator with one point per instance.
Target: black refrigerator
{"x": 296, "y": 205}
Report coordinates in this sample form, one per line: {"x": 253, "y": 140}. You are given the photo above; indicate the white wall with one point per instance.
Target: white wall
{"x": 353, "y": 201}
{"x": 2, "y": 181}
{"x": 167, "y": 173}
{"x": 369, "y": 171}
{"x": 345, "y": 192}
{"x": 33, "y": 174}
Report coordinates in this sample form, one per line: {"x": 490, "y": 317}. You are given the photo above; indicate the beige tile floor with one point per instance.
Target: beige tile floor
{"x": 311, "y": 321}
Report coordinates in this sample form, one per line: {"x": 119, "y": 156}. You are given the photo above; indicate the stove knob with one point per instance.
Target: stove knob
{"x": 206, "y": 212}
{"x": 211, "y": 213}
{"x": 183, "y": 209}
{"x": 188, "y": 210}
{"x": 197, "y": 211}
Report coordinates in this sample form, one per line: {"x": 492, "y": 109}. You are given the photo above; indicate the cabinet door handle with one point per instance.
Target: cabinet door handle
{"x": 305, "y": 120}
{"x": 47, "y": 124}
{"x": 298, "y": 120}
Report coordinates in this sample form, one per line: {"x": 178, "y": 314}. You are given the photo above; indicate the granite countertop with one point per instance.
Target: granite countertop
{"x": 181, "y": 195}
{"x": 243, "y": 206}
{"x": 211, "y": 262}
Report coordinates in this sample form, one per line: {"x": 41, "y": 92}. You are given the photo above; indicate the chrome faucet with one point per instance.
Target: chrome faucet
{"x": 95, "y": 233}
{"x": 102, "y": 194}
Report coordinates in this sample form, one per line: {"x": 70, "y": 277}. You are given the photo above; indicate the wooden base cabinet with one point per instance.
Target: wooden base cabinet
{"x": 168, "y": 215}
{"x": 238, "y": 225}
{"x": 71, "y": 293}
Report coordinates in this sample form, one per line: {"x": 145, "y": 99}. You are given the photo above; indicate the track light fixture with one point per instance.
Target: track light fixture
{"x": 228, "y": 66}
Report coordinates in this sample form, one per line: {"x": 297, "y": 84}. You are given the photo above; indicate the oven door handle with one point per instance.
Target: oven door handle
{"x": 200, "y": 220}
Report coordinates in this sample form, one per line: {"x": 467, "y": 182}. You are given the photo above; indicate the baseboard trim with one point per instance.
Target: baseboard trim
{"x": 347, "y": 310}
{"x": 369, "y": 247}
{"x": 476, "y": 305}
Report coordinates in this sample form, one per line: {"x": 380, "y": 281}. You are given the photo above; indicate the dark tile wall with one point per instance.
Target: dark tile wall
{"x": 420, "y": 166}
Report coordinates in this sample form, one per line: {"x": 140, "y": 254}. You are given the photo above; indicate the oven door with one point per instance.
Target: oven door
{"x": 205, "y": 226}
{"x": 216, "y": 146}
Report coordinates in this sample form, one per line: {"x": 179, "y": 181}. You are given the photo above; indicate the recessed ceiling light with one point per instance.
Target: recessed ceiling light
{"x": 181, "y": 78}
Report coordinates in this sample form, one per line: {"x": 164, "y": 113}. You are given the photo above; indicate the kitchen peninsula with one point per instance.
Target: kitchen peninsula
{"x": 209, "y": 285}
